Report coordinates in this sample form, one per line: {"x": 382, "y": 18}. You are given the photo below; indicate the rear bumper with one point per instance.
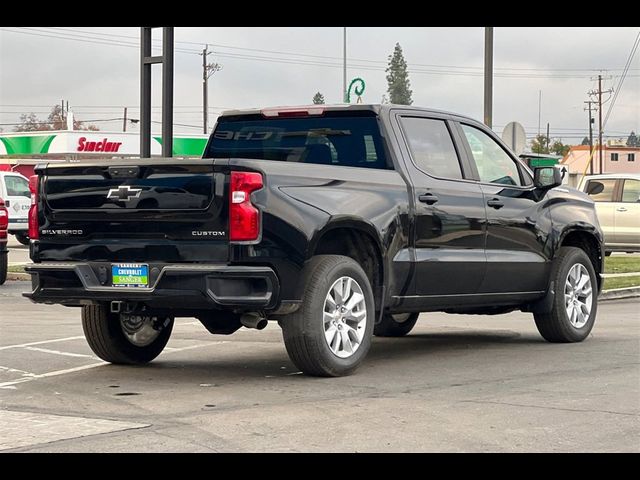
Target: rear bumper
{"x": 171, "y": 286}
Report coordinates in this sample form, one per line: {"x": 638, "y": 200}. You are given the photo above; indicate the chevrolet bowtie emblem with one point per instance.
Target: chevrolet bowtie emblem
{"x": 123, "y": 193}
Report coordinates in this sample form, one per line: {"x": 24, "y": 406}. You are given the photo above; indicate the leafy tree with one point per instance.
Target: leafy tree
{"x": 29, "y": 122}
{"x": 540, "y": 144}
{"x": 633, "y": 140}
{"x": 560, "y": 148}
{"x": 585, "y": 141}
{"x": 398, "y": 78}
{"x": 318, "y": 99}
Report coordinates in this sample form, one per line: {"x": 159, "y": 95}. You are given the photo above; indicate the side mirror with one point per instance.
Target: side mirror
{"x": 545, "y": 178}
{"x": 595, "y": 188}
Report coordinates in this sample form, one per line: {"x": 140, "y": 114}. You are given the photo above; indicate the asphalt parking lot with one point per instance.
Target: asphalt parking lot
{"x": 457, "y": 383}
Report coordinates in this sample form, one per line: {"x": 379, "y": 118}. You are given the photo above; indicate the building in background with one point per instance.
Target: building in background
{"x": 615, "y": 159}
{"x": 22, "y": 150}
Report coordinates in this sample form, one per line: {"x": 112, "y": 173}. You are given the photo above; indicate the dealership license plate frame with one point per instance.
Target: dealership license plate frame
{"x": 121, "y": 276}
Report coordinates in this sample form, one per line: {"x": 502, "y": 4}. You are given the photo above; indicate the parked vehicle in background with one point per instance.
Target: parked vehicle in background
{"x": 339, "y": 222}
{"x": 4, "y": 254}
{"x": 14, "y": 189}
{"x": 617, "y": 198}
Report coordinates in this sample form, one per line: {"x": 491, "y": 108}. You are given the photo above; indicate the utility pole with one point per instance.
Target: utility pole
{"x": 124, "y": 120}
{"x": 208, "y": 69}
{"x": 589, "y": 103}
{"x": 344, "y": 64}
{"x": 599, "y": 93}
{"x": 488, "y": 76}
{"x": 62, "y": 110}
{"x": 539, "y": 109}
{"x": 548, "y": 139}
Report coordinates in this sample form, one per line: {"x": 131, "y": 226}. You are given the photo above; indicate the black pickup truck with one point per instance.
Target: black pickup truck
{"x": 339, "y": 222}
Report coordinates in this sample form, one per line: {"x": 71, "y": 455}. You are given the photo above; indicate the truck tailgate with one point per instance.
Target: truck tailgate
{"x": 169, "y": 210}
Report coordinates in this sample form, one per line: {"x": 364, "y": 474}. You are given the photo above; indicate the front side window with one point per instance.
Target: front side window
{"x": 432, "y": 147}
{"x": 631, "y": 191}
{"x": 493, "y": 163}
{"x": 601, "y": 190}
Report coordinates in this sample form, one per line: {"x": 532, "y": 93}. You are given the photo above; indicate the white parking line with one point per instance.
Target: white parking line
{"x": 22, "y": 345}
{"x": 58, "y": 352}
{"x": 93, "y": 365}
{"x": 17, "y": 370}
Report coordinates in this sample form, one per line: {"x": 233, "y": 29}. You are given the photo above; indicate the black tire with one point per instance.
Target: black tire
{"x": 4, "y": 266}
{"x": 104, "y": 333}
{"x": 23, "y": 238}
{"x": 303, "y": 330}
{"x": 555, "y": 326}
{"x": 397, "y": 325}
{"x": 607, "y": 254}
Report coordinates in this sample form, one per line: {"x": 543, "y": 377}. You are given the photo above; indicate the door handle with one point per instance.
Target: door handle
{"x": 428, "y": 198}
{"x": 495, "y": 203}
{"x": 621, "y": 209}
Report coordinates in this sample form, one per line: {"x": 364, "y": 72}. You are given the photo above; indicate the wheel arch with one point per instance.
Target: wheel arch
{"x": 357, "y": 239}
{"x": 587, "y": 241}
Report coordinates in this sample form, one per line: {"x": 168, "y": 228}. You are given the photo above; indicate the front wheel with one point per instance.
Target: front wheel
{"x": 575, "y": 302}
{"x": 23, "y": 238}
{"x": 330, "y": 334}
{"x": 128, "y": 339}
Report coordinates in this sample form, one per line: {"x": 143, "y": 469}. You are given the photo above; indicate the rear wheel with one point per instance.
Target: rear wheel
{"x": 23, "y": 238}
{"x": 575, "y": 303}
{"x": 396, "y": 325}
{"x": 125, "y": 338}
{"x": 331, "y": 333}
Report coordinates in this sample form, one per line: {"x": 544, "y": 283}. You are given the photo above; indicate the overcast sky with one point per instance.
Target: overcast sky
{"x": 97, "y": 71}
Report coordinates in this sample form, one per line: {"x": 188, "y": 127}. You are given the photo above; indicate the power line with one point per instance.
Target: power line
{"x": 634, "y": 49}
{"x": 280, "y": 52}
{"x": 293, "y": 61}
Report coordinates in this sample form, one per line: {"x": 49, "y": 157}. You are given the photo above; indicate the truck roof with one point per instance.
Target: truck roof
{"x": 374, "y": 107}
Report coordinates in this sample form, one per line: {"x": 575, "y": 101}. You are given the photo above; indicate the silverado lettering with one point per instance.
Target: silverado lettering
{"x": 48, "y": 231}
{"x": 337, "y": 222}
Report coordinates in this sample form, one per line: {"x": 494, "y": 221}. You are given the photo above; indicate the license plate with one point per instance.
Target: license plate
{"x": 130, "y": 275}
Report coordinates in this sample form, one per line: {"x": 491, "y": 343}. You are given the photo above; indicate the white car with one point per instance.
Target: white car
{"x": 14, "y": 189}
{"x": 617, "y": 197}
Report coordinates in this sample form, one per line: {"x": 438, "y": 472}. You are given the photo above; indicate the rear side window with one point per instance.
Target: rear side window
{"x": 631, "y": 191}
{"x": 432, "y": 147}
{"x": 346, "y": 141}
{"x": 17, "y": 186}
{"x": 601, "y": 190}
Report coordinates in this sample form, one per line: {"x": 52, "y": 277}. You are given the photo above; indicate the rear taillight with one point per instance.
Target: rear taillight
{"x": 34, "y": 182}
{"x": 4, "y": 220}
{"x": 244, "y": 218}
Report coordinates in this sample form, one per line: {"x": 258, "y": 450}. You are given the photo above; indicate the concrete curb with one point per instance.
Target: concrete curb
{"x": 18, "y": 276}
{"x": 618, "y": 293}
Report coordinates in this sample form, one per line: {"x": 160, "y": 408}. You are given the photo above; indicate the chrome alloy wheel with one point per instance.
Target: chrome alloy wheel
{"x": 578, "y": 295}
{"x": 141, "y": 330}
{"x": 344, "y": 317}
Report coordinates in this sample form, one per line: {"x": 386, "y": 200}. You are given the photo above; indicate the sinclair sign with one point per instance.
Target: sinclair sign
{"x": 104, "y": 145}
{"x": 79, "y": 144}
